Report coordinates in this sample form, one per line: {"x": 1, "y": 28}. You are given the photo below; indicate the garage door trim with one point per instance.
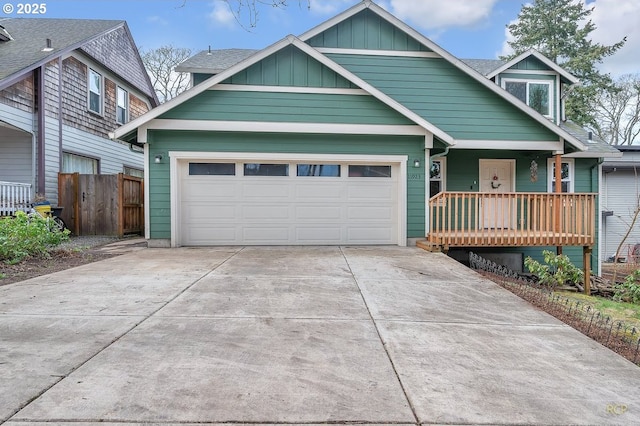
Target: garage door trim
{"x": 178, "y": 157}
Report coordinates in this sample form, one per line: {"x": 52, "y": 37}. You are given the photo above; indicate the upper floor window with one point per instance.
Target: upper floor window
{"x": 536, "y": 94}
{"x": 122, "y": 105}
{"x": 95, "y": 91}
{"x": 566, "y": 175}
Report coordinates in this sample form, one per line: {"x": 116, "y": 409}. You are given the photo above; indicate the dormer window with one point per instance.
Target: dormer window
{"x": 537, "y": 94}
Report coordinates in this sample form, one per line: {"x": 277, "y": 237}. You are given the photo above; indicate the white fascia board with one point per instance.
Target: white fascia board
{"x": 587, "y": 154}
{"x": 445, "y": 137}
{"x": 196, "y": 90}
{"x": 287, "y": 157}
{"x": 548, "y": 62}
{"x": 371, "y": 52}
{"x": 448, "y": 57}
{"x": 511, "y": 145}
{"x": 288, "y": 89}
{"x": 285, "y": 127}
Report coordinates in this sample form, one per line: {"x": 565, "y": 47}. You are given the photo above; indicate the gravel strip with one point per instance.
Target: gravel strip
{"x": 87, "y": 242}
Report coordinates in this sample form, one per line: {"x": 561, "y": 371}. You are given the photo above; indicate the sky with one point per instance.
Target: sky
{"x": 465, "y": 28}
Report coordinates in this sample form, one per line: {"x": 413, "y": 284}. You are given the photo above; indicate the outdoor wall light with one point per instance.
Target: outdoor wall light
{"x": 158, "y": 159}
{"x": 416, "y": 163}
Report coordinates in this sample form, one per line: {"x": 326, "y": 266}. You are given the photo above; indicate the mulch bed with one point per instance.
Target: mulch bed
{"x": 37, "y": 266}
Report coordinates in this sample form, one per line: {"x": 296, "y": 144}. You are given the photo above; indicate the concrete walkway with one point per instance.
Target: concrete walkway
{"x": 375, "y": 335}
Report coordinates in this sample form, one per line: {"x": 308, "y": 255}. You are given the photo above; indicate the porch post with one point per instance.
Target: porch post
{"x": 558, "y": 190}
{"x": 586, "y": 262}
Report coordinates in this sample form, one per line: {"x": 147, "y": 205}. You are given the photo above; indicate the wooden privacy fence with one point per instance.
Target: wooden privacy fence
{"x": 102, "y": 204}
{"x": 477, "y": 219}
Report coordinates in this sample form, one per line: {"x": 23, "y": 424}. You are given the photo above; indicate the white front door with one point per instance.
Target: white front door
{"x": 497, "y": 177}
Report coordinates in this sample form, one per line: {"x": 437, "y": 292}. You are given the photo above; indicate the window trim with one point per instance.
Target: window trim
{"x": 89, "y": 92}
{"x": 551, "y": 175}
{"x": 443, "y": 175}
{"x": 126, "y": 107}
{"x": 528, "y": 82}
{"x": 77, "y": 154}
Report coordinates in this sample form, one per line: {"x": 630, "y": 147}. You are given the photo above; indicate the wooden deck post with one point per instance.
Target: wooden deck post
{"x": 558, "y": 190}
{"x": 586, "y": 262}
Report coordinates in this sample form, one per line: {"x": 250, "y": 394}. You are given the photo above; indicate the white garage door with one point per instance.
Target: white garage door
{"x": 301, "y": 202}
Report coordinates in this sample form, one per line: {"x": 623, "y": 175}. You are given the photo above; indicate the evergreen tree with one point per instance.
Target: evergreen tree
{"x": 560, "y": 29}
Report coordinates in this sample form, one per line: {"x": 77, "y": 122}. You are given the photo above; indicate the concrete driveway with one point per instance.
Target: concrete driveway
{"x": 294, "y": 335}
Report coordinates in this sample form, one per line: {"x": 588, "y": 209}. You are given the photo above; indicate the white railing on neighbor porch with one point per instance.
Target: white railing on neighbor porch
{"x": 14, "y": 197}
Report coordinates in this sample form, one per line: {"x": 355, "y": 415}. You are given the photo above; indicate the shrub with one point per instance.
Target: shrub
{"x": 629, "y": 290}
{"x": 557, "y": 270}
{"x": 28, "y": 235}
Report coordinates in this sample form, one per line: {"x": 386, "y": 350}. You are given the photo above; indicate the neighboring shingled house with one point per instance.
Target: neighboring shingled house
{"x": 64, "y": 85}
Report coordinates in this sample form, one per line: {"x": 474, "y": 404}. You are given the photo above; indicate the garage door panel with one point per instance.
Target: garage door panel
{"x": 287, "y": 210}
{"x": 371, "y": 192}
{"x": 315, "y": 191}
{"x": 266, "y": 211}
{"x": 371, "y": 212}
{"x": 205, "y": 213}
{"x": 203, "y": 235}
{"x": 318, "y": 213}
{"x": 263, "y": 235}
{"x": 199, "y": 189}
{"x": 265, "y": 190}
{"x": 320, "y": 234}
{"x": 379, "y": 233}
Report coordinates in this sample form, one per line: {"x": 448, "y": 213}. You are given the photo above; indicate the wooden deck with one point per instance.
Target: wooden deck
{"x": 474, "y": 219}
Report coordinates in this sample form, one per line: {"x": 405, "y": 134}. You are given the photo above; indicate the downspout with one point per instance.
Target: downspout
{"x": 599, "y": 212}
{"x": 59, "y": 123}
{"x": 40, "y": 138}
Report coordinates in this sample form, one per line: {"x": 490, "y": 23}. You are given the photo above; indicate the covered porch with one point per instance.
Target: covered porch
{"x": 512, "y": 219}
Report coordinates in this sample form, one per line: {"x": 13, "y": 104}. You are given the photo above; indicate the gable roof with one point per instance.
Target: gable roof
{"x": 287, "y": 41}
{"x": 24, "y": 51}
{"x": 484, "y": 66}
{"x": 596, "y": 147}
{"x": 458, "y": 63}
{"x": 548, "y": 62}
{"x": 214, "y": 61}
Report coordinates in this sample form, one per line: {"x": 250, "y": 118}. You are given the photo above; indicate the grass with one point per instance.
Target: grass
{"x": 629, "y": 313}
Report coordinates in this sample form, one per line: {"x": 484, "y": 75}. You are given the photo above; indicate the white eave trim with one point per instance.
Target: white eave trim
{"x": 510, "y": 145}
{"x": 532, "y": 52}
{"x": 397, "y": 53}
{"x": 284, "y": 127}
{"x": 448, "y": 57}
{"x": 288, "y": 89}
{"x": 587, "y": 154}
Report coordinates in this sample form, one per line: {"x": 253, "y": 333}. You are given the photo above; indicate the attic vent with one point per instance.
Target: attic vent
{"x": 4, "y": 34}
{"x": 48, "y": 47}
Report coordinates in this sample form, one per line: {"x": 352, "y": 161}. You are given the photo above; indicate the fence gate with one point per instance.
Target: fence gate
{"x": 102, "y": 204}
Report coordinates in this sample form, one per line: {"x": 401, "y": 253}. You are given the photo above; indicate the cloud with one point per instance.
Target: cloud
{"x": 221, "y": 14}
{"x": 614, "y": 19}
{"x": 329, "y": 7}
{"x": 440, "y": 15}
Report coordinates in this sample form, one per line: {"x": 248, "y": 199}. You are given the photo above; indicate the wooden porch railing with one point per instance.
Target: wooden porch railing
{"x": 478, "y": 219}
{"x": 14, "y": 197}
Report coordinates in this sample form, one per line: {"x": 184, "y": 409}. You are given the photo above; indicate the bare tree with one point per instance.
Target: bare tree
{"x": 246, "y": 12}
{"x": 160, "y": 64}
{"x": 617, "y": 111}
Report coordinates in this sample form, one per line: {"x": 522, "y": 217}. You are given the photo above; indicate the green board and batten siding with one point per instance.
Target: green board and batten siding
{"x": 164, "y": 141}
{"x": 286, "y": 107}
{"x": 446, "y": 97}
{"x": 290, "y": 67}
{"x": 366, "y": 30}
